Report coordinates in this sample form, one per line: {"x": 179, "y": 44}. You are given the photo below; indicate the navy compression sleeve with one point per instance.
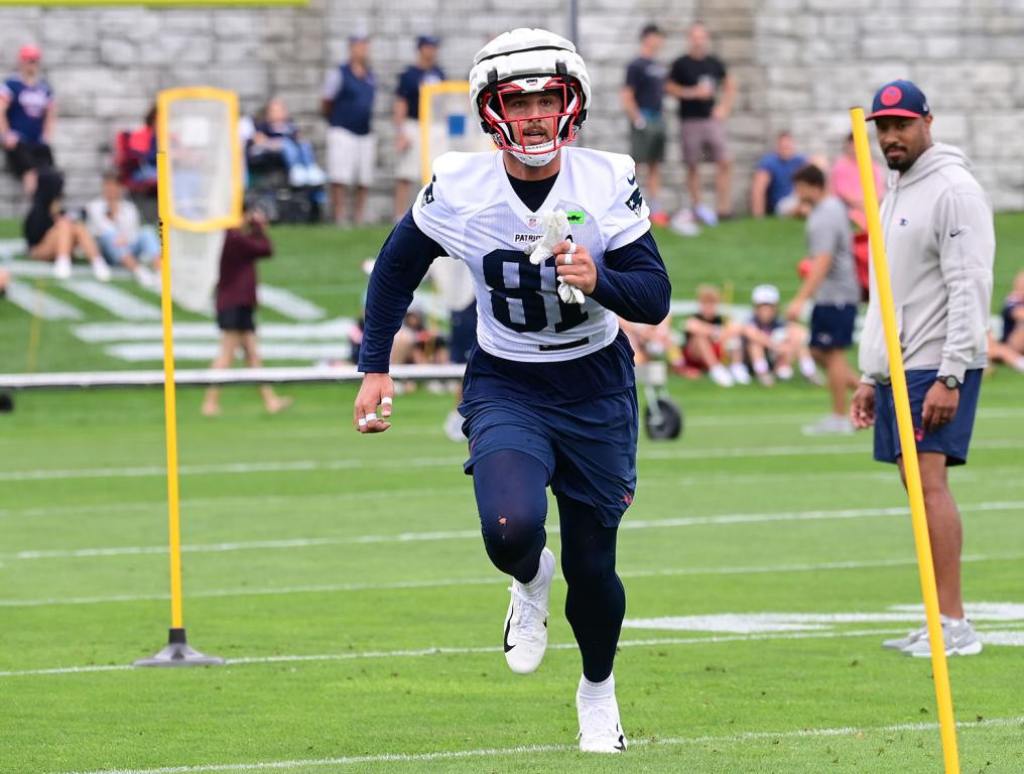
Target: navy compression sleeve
{"x": 400, "y": 267}
{"x": 633, "y": 282}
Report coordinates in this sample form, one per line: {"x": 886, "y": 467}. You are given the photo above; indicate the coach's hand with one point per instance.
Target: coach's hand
{"x": 373, "y": 404}
{"x": 940, "y": 404}
{"x": 862, "y": 408}
{"x": 575, "y": 265}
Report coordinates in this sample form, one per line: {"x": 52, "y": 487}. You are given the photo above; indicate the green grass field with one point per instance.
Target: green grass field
{"x": 344, "y": 578}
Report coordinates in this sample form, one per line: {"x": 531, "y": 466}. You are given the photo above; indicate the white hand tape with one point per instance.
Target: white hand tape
{"x": 371, "y": 417}
{"x": 572, "y": 248}
{"x": 568, "y": 259}
{"x": 386, "y": 400}
{"x": 362, "y": 421}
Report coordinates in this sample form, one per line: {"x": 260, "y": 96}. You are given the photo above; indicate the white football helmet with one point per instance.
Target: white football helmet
{"x": 529, "y": 61}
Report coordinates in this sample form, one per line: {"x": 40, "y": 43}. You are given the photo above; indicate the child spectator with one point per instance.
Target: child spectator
{"x": 277, "y": 133}
{"x": 53, "y": 235}
{"x": 114, "y": 222}
{"x": 1010, "y": 348}
{"x": 27, "y": 116}
{"x": 236, "y": 305}
{"x": 771, "y": 345}
{"x": 708, "y": 338}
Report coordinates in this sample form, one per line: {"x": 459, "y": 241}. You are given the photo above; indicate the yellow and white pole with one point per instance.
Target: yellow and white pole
{"x": 908, "y": 445}
{"x": 170, "y": 393}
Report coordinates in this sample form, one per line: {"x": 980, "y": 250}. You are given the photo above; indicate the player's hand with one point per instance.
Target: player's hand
{"x": 862, "y": 407}
{"x": 940, "y": 405}
{"x": 575, "y": 265}
{"x": 402, "y": 142}
{"x": 719, "y": 113}
{"x": 372, "y": 408}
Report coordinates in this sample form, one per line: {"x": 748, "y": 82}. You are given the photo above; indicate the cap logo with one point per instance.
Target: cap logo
{"x": 891, "y": 96}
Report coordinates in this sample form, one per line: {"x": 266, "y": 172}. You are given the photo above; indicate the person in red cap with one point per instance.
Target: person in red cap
{"x": 940, "y": 240}
{"x": 27, "y": 114}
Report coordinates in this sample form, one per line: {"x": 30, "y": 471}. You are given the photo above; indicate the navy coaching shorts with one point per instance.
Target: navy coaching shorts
{"x": 951, "y": 439}
{"x": 832, "y": 326}
{"x": 588, "y": 448}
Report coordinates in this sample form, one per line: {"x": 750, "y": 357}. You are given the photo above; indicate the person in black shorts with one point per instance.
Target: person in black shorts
{"x": 236, "y": 305}
{"x": 642, "y": 95}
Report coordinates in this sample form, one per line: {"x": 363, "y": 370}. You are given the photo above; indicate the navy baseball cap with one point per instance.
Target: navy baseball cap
{"x": 899, "y": 98}
{"x": 427, "y": 40}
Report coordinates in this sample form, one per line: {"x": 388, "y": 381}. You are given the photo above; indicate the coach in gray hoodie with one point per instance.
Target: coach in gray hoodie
{"x": 940, "y": 242}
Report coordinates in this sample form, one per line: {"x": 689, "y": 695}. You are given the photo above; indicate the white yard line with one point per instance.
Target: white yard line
{"x": 277, "y": 466}
{"x": 456, "y": 651}
{"x": 474, "y": 534}
{"x": 38, "y": 303}
{"x": 333, "y": 588}
{"x": 442, "y": 755}
{"x": 118, "y": 302}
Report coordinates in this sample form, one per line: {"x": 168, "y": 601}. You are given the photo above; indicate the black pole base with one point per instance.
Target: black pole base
{"x": 178, "y": 653}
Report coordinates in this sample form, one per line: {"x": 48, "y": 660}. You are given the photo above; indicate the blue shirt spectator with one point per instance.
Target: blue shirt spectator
{"x": 350, "y": 90}
{"x": 27, "y": 113}
{"x": 409, "y": 83}
{"x": 772, "y": 190}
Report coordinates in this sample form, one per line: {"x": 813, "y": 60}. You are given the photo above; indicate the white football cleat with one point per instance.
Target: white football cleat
{"x": 526, "y": 624}
{"x": 600, "y": 728}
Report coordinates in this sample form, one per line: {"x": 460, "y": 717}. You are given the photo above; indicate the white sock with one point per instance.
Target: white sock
{"x": 952, "y": 621}
{"x": 1018, "y": 364}
{"x": 538, "y": 580}
{"x": 807, "y": 367}
{"x": 602, "y": 690}
{"x": 63, "y": 259}
{"x": 760, "y": 366}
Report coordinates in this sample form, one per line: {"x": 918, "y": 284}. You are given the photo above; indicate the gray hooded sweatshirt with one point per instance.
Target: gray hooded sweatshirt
{"x": 940, "y": 242}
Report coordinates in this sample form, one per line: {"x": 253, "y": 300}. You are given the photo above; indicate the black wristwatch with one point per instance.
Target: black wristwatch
{"x": 949, "y": 382}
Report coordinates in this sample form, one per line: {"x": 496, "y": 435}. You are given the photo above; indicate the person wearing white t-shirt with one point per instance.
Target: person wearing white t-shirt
{"x": 123, "y": 240}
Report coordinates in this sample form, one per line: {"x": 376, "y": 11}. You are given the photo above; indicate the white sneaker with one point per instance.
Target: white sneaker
{"x": 902, "y": 643}
{"x": 526, "y": 623}
{"x": 706, "y": 215}
{"x": 100, "y": 270}
{"x": 833, "y": 424}
{"x": 145, "y": 277}
{"x": 600, "y": 728}
{"x": 453, "y": 426}
{"x": 62, "y": 268}
{"x": 739, "y": 373}
{"x": 720, "y": 375}
{"x": 958, "y": 635}
{"x": 684, "y": 224}
{"x": 297, "y": 176}
{"x": 784, "y": 372}
{"x": 315, "y": 176}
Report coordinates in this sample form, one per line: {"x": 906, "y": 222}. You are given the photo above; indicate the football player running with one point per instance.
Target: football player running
{"x": 549, "y": 393}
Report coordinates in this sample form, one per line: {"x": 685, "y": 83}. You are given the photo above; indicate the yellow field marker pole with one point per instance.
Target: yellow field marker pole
{"x": 908, "y": 446}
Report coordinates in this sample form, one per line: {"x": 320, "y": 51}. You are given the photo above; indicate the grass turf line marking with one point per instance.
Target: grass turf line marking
{"x": 237, "y": 468}
{"x": 492, "y": 580}
{"x": 719, "y": 739}
{"x": 412, "y": 537}
{"x": 462, "y": 651}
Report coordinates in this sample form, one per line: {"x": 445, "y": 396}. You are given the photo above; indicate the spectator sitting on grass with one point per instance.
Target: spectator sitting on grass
{"x": 771, "y": 345}
{"x": 708, "y": 338}
{"x": 771, "y": 192}
{"x": 1010, "y": 348}
{"x": 236, "y": 305}
{"x": 277, "y": 133}
{"x": 114, "y": 222}
{"x": 53, "y": 235}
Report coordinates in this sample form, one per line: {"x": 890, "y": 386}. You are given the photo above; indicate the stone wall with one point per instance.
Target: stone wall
{"x": 799, "y": 64}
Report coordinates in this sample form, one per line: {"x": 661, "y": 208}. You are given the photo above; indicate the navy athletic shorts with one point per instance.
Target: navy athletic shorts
{"x": 832, "y": 326}
{"x": 463, "y": 334}
{"x": 588, "y": 447}
{"x": 951, "y": 439}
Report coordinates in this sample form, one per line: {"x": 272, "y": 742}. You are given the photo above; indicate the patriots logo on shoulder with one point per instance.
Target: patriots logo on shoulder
{"x": 428, "y": 192}
{"x": 635, "y": 201}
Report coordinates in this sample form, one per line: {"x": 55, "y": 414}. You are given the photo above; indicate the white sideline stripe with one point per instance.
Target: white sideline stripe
{"x": 118, "y": 302}
{"x": 40, "y": 304}
{"x": 241, "y": 468}
{"x": 142, "y": 352}
{"x": 44, "y": 269}
{"x": 488, "y": 581}
{"x": 286, "y": 303}
{"x": 329, "y": 330}
{"x": 732, "y": 420}
{"x": 463, "y": 651}
{"x": 412, "y": 537}
{"x": 343, "y": 497}
{"x": 714, "y": 739}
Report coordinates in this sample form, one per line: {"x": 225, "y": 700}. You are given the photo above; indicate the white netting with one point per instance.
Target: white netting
{"x": 201, "y": 144}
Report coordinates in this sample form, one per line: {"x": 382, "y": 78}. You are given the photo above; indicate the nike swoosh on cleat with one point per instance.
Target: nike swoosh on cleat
{"x": 508, "y": 626}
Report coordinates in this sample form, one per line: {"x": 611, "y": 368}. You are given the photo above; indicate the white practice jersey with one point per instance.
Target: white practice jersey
{"x": 471, "y": 210}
